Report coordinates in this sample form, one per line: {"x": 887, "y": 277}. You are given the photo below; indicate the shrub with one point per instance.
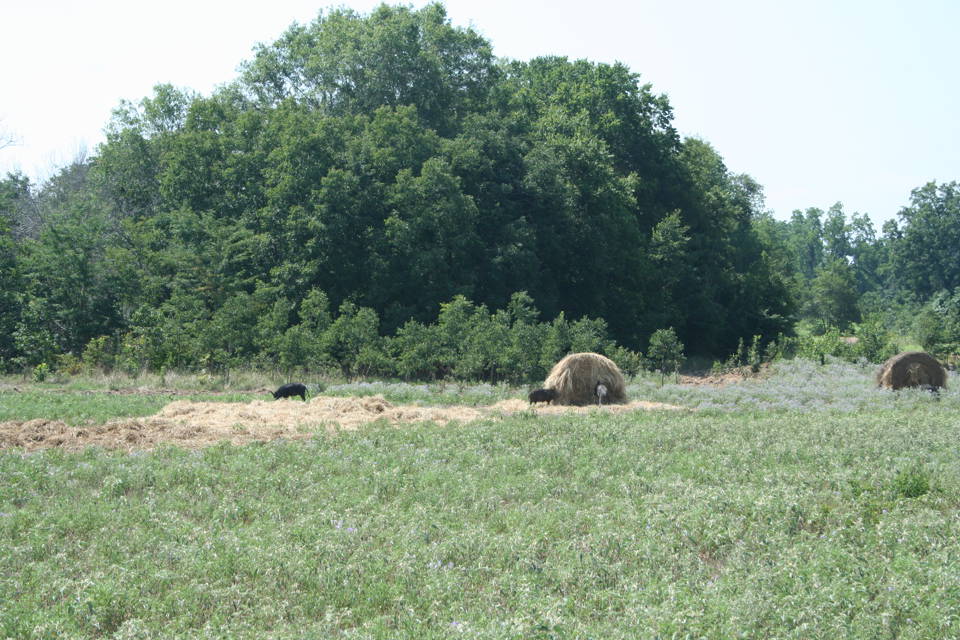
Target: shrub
{"x": 874, "y": 342}
{"x": 630, "y": 362}
{"x": 40, "y": 372}
{"x": 69, "y": 364}
{"x": 912, "y": 483}
{"x": 99, "y": 354}
{"x": 665, "y": 351}
{"x": 937, "y": 325}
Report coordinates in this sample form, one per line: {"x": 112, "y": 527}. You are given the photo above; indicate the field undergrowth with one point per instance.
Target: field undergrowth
{"x": 787, "y": 522}
{"x": 793, "y": 385}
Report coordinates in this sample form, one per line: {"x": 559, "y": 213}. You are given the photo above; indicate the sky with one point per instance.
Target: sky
{"x": 820, "y": 101}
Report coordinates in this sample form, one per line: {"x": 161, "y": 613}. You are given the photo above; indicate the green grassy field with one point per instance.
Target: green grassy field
{"x": 737, "y": 520}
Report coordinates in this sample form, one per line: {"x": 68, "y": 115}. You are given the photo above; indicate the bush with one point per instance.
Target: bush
{"x": 99, "y": 354}
{"x": 467, "y": 342}
{"x": 665, "y": 351}
{"x": 40, "y": 372}
{"x": 630, "y": 362}
{"x": 912, "y": 483}
{"x": 874, "y": 342}
{"x": 937, "y": 325}
{"x": 69, "y": 364}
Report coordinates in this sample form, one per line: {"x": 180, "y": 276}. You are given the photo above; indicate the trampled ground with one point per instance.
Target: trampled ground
{"x": 199, "y": 424}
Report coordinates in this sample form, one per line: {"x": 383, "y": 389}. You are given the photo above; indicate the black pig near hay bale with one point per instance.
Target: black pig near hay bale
{"x": 575, "y": 379}
{"x": 912, "y": 369}
{"x": 542, "y": 395}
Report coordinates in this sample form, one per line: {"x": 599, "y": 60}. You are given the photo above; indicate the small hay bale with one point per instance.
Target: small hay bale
{"x": 912, "y": 369}
{"x": 575, "y": 379}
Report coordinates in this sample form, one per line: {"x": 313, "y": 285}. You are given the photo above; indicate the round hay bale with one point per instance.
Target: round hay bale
{"x": 912, "y": 369}
{"x": 576, "y": 376}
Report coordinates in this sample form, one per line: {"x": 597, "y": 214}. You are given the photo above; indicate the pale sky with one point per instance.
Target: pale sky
{"x": 821, "y": 101}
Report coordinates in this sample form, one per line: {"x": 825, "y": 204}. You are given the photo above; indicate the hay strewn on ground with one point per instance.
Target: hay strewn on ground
{"x": 912, "y": 369}
{"x": 200, "y": 424}
{"x": 576, "y": 376}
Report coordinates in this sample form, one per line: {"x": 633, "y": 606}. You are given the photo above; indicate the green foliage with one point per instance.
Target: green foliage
{"x": 665, "y": 351}
{"x": 833, "y": 295}
{"x": 40, "y": 372}
{"x": 388, "y": 161}
{"x": 13, "y": 190}
{"x": 354, "y": 332}
{"x": 922, "y": 251}
{"x": 816, "y": 347}
{"x": 98, "y": 354}
{"x": 875, "y": 342}
{"x": 469, "y": 343}
{"x": 69, "y": 364}
{"x": 71, "y": 287}
{"x": 631, "y": 363}
{"x": 937, "y": 325}
{"x": 912, "y": 482}
{"x": 871, "y": 341}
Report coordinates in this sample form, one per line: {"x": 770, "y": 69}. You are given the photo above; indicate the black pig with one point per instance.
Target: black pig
{"x": 290, "y": 390}
{"x": 543, "y": 395}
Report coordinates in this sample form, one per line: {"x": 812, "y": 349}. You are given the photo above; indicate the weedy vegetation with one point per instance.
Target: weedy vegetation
{"x": 775, "y": 510}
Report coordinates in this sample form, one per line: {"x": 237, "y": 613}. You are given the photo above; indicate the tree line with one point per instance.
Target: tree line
{"x": 389, "y": 167}
{"x": 844, "y": 275}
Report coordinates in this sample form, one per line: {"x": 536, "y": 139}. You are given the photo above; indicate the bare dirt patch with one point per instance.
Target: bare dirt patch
{"x": 734, "y": 376}
{"x": 200, "y": 424}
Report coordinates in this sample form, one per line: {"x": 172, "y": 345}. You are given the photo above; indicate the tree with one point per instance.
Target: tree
{"x": 11, "y": 284}
{"x": 869, "y": 254}
{"x": 665, "y": 351}
{"x": 805, "y": 240}
{"x": 836, "y": 234}
{"x": 343, "y": 62}
{"x": 431, "y": 245}
{"x": 667, "y": 254}
{"x": 729, "y": 291}
{"x": 389, "y": 161}
{"x": 937, "y": 326}
{"x": 70, "y": 280}
{"x": 353, "y": 340}
{"x": 925, "y": 252}
{"x": 833, "y": 296}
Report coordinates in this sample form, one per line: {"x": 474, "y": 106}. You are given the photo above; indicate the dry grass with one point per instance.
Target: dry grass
{"x": 576, "y": 376}
{"x": 196, "y": 425}
{"x": 912, "y": 369}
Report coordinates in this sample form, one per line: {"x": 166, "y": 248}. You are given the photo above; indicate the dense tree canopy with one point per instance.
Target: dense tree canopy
{"x": 365, "y": 172}
{"x": 925, "y": 252}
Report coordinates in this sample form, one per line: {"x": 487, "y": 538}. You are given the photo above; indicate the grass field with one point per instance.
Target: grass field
{"x": 804, "y": 505}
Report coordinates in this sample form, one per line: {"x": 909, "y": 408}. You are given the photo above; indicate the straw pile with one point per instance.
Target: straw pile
{"x": 575, "y": 379}
{"x": 195, "y": 425}
{"x": 912, "y": 369}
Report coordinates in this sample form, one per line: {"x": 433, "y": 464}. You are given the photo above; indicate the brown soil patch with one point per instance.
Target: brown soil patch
{"x": 734, "y": 376}
{"x": 200, "y": 424}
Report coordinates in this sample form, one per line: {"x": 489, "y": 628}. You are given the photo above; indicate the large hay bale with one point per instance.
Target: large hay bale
{"x": 576, "y": 376}
{"x": 912, "y": 369}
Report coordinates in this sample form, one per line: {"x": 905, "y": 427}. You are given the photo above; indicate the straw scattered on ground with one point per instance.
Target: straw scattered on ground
{"x": 200, "y": 424}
